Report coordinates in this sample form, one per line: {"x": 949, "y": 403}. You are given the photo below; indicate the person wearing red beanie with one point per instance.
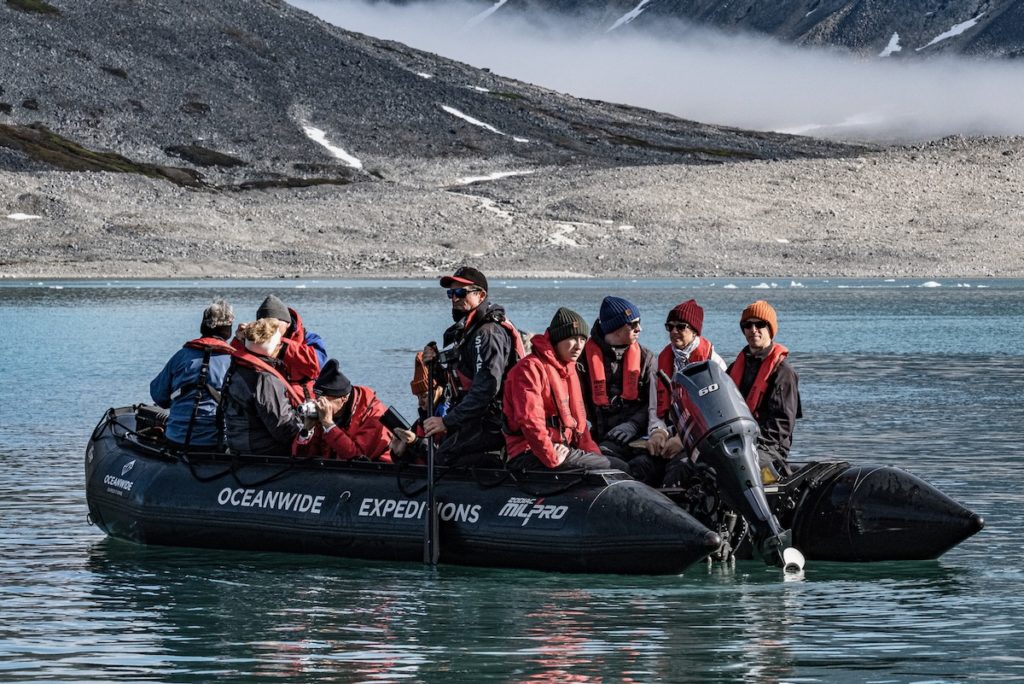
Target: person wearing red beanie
{"x": 765, "y": 378}
{"x": 685, "y": 346}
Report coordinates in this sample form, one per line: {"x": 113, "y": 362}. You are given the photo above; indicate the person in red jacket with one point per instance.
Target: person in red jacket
{"x": 348, "y": 421}
{"x": 545, "y": 418}
{"x": 301, "y": 352}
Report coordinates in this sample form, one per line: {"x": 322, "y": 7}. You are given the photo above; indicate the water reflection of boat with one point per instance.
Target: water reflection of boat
{"x": 579, "y": 522}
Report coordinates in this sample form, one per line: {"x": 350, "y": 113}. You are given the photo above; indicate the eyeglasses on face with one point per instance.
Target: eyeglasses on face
{"x": 461, "y": 292}
{"x": 747, "y": 325}
{"x": 678, "y": 327}
{"x": 635, "y": 325}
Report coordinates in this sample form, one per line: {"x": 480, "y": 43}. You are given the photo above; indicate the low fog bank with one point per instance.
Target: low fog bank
{"x": 743, "y": 81}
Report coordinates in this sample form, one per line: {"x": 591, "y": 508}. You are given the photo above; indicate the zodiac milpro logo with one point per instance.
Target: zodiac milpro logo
{"x": 528, "y": 508}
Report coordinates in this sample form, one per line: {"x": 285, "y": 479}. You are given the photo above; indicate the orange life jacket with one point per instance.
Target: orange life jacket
{"x": 667, "y": 364}
{"x": 598, "y": 382}
{"x": 756, "y": 392}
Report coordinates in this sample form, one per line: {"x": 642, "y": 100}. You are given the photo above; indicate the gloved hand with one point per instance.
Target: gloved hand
{"x": 623, "y": 432}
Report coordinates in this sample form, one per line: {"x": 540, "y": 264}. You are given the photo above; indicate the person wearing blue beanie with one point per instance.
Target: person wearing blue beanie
{"x": 617, "y": 312}
{"x": 617, "y": 376}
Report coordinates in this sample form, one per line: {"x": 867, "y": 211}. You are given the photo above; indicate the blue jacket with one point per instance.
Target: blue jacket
{"x": 182, "y": 371}
{"x": 317, "y": 343}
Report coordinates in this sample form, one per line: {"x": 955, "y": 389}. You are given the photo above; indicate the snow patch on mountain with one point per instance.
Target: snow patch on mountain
{"x": 477, "y": 122}
{"x": 893, "y": 46}
{"x": 953, "y": 32}
{"x": 629, "y": 16}
{"x": 319, "y": 136}
{"x": 486, "y": 13}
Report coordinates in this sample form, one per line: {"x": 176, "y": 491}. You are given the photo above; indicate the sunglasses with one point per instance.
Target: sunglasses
{"x": 678, "y": 327}
{"x": 461, "y": 292}
{"x": 747, "y": 325}
{"x": 635, "y": 325}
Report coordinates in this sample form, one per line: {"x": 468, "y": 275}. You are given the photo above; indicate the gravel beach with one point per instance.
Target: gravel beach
{"x": 946, "y": 209}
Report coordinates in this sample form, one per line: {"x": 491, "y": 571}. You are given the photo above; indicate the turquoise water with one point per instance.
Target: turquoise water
{"x": 928, "y": 378}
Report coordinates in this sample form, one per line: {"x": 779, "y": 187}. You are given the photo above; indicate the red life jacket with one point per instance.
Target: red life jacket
{"x": 298, "y": 359}
{"x": 465, "y": 382}
{"x": 598, "y": 382}
{"x": 667, "y": 364}
{"x": 756, "y": 392}
{"x": 250, "y": 360}
{"x": 556, "y": 401}
{"x": 568, "y": 399}
{"x": 363, "y": 436}
{"x": 214, "y": 344}
{"x": 209, "y": 346}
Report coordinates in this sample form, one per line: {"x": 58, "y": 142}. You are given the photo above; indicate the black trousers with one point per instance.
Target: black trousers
{"x": 576, "y": 459}
{"x": 477, "y": 444}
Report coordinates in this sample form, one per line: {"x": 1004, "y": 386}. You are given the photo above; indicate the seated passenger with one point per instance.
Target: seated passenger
{"x": 685, "y": 346}
{"x": 545, "y": 419}
{"x": 347, "y": 424}
{"x": 257, "y": 403}
{"x": 768, "y": 382}
{"x": 408, "y": 445}
{"x": 190, "y": 382}
{"x": 301, "y": 351}
{"x": 616, "y": 374}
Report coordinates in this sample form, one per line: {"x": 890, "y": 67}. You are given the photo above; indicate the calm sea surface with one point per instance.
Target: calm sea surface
{"x": 930, "y": 378}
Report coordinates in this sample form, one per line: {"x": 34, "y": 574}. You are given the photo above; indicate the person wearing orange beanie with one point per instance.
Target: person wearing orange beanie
{"x": 765, "y": 378}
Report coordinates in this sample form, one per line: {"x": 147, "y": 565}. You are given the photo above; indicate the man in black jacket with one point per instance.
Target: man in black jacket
{"x": 770, "y": 385}
{"x": 479, "y": 349}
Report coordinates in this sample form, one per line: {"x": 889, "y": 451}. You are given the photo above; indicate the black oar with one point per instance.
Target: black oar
{"x": 431, "y": 548}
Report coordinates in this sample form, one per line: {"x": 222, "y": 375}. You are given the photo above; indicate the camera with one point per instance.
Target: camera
{"x": 448, "y": 356}
{"x": 307, "y": 409}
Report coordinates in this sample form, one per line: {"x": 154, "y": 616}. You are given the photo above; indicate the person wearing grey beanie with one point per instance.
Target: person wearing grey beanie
{"x": 566, "y": 323}
{"x": 302, "y": 351}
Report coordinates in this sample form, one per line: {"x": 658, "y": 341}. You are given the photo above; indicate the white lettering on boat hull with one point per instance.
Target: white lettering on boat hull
{"x": 270, "y": 500}
{"x": 407, "y": 509}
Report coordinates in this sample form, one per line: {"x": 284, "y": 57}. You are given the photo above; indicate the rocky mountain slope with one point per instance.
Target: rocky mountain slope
{"x": 899, "y": 28}
{"x": 256, "y": 91}
{"x": 246, "y": 138}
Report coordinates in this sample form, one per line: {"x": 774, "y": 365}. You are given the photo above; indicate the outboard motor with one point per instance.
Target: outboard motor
{"x": 713, "y": 421}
